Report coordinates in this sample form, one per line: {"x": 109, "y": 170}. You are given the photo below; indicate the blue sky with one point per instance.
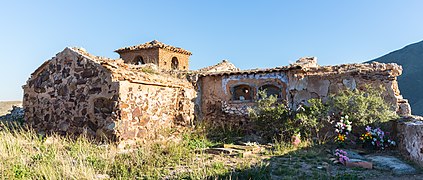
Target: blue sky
{"x": 247, "y": 33}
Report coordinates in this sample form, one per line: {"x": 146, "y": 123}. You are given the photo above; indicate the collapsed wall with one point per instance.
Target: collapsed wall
{"x": 226, "y": 96}
{"x": 321, "y": 81}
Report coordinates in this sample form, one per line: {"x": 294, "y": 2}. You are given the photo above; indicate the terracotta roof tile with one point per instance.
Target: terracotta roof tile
{"x": 153, "y": 44}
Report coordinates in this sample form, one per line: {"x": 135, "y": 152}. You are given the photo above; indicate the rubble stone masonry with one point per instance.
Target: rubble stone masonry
{"x": 77, "y": 93}
{"x": 410, "y": 138}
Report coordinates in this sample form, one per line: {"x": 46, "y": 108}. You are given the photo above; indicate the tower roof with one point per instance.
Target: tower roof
{"x": 153, "y": 44}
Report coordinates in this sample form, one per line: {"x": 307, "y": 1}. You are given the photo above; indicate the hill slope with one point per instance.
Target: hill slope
{"x": 411, "y": 81}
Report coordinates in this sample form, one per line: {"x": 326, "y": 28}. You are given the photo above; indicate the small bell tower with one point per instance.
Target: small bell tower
{"x": 164, "y": 56}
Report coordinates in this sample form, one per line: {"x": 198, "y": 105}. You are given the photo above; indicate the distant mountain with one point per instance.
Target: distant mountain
{"x": 411, "y": 81}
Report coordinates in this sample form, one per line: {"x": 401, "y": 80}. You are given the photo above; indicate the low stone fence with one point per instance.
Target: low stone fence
{"x": 410, "y": 138}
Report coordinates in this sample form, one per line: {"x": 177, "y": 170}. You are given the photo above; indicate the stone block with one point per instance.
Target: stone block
{"x": 391, "y": 163}
{"x": 359, "y": 163}
{"x": 404, "y": 109}
{"x": 410, "y": 138}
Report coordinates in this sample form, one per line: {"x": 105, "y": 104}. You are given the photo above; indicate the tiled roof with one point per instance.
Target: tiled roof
{"x": 153, "y": 44}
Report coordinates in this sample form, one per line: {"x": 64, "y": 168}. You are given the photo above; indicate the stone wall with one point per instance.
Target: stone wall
{"x": 146, "y": 110}
{"x": 71, "y": 94}
{"x": 78, "y": 93}
{"x": 319, "y": 82}
{"x": 166, "y": 56}
{"x": 216, "y": 92}
{"x": 148, "y": 55}
{"x": 321, "y": 86}
{"x": 215, "y": 106}
{"x": 157, "y": 53}
{"x": 298, "y": 83}
{"x": 410, "y": 138}
{"x": 161, "y": 57}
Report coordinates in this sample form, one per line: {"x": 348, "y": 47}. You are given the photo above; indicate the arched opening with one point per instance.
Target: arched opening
{"x": 175, "y": 63}
{"x": 271, "y": 90}
{"x": 242, "y": 93}
{"x": 139, "y": 60}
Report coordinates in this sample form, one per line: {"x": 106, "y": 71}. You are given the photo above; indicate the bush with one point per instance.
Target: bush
{"x": 313, "y": 118}
{"x": 273, "y": 118}
{"x": 363, "y": 107}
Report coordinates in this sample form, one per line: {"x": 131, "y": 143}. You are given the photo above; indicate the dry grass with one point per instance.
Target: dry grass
{"x": 25, "y": 155}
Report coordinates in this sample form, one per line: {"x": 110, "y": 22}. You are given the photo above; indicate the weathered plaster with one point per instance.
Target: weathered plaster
{"x": 277, "y": 75}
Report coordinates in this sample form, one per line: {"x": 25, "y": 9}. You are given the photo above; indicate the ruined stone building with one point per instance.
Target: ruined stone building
{"x": 151, "y": 88}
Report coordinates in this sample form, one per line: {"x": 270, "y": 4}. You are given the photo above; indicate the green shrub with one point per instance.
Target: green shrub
{"x": 313, "y": 118}
{"x": 315, "y": 121}
{"x": 271, "y": 118}
{"x": 362, "y": 107}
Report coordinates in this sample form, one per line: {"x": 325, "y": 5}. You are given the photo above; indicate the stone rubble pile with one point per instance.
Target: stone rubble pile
{"x": 16, "y": 114}
{"x": 237, "y": 109}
